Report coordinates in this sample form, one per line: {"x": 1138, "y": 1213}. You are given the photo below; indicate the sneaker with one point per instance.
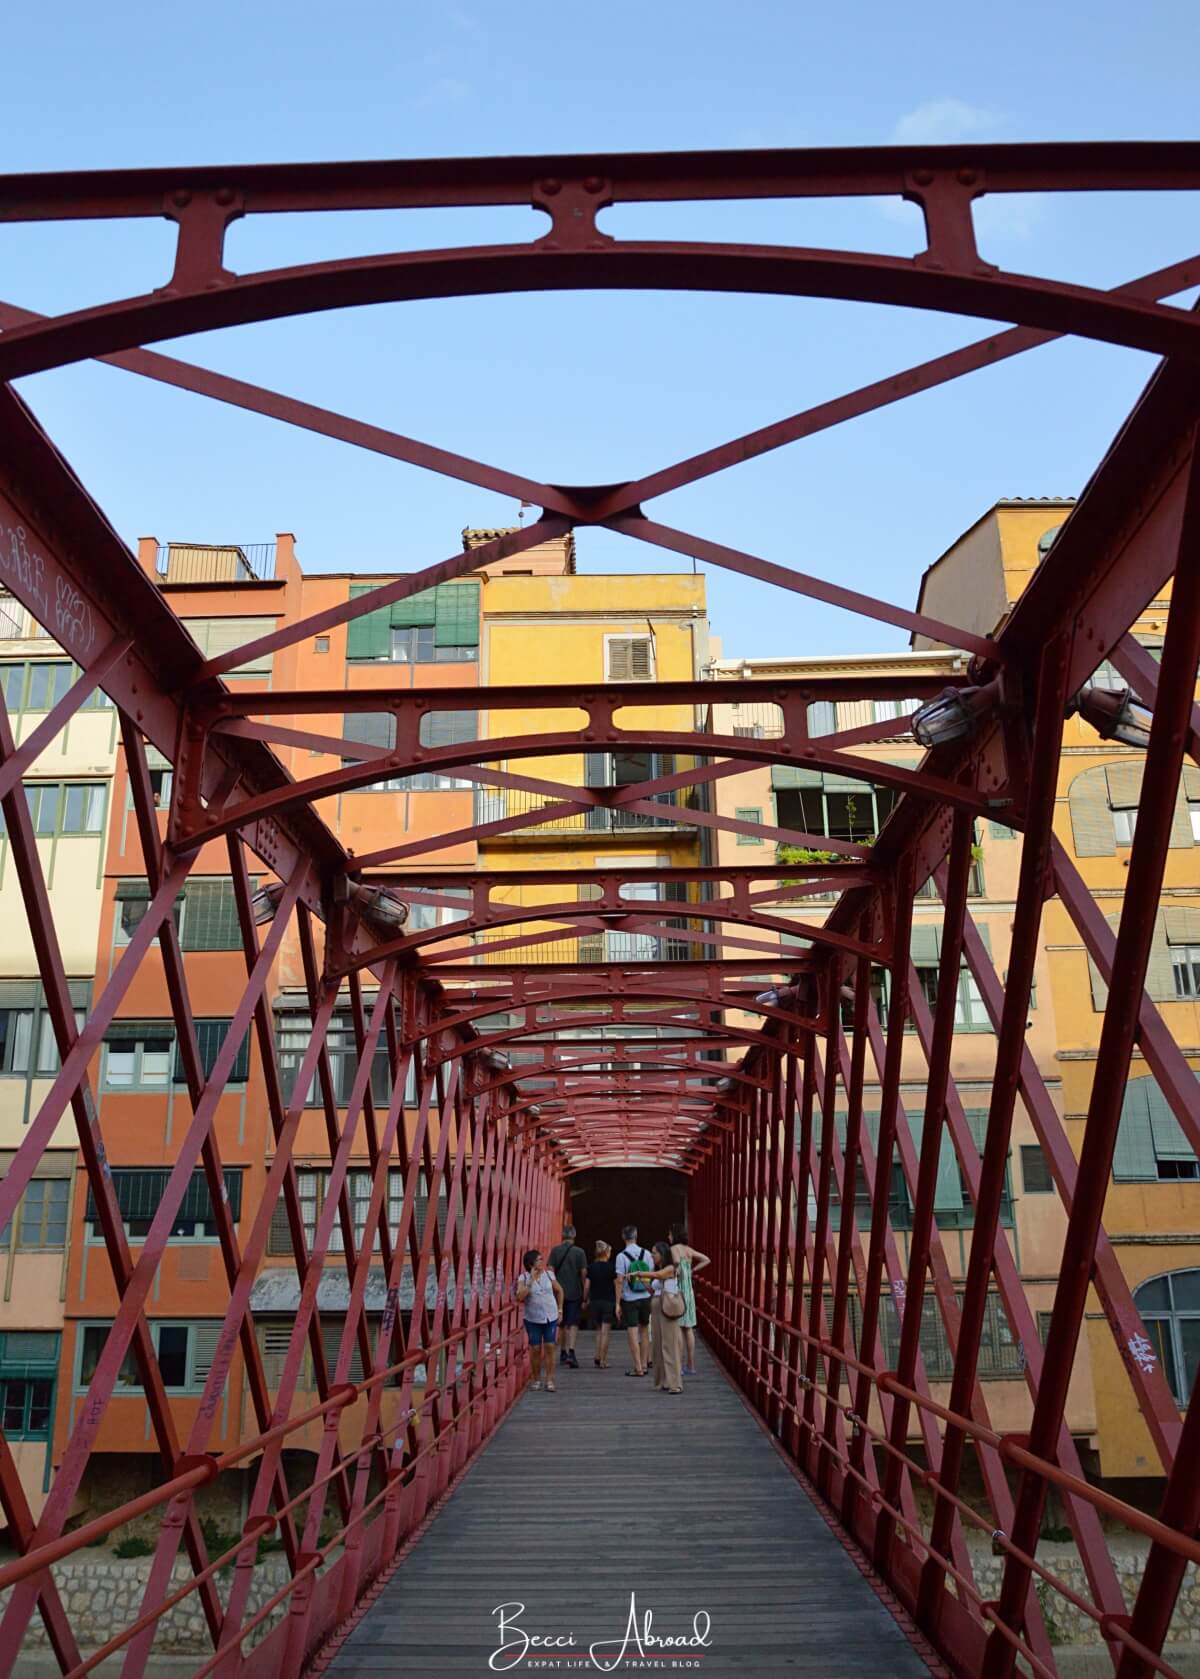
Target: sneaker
{"x": 564, "y": 1356}
{"x": 536, "y": 1386}
{"x": 572, "y": 1360}
{"x": 550, "y": 1388}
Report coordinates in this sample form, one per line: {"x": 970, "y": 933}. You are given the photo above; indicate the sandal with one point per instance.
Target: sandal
{"x": 598, "y": 1364}
{"x": 536, "y": 1386}
{"x": 635, "y": 1372}
{"x": 550, "y": 1388}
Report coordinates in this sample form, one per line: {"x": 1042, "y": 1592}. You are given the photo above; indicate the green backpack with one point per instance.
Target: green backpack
{"x": 638, "y": 1264}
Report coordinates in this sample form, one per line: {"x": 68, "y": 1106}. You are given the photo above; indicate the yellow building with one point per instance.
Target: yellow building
{"x": 805, "y": 800}
{"x": 545, "y": 625}
{"x": 1152, "y": 1211}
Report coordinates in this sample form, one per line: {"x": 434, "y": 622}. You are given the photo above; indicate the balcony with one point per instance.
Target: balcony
{"x": 215, "y": 562}
{"x": 494, "y": 804}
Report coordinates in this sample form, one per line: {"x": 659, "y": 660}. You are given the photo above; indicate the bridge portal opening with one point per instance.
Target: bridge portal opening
{"x": 603, "y": 1199}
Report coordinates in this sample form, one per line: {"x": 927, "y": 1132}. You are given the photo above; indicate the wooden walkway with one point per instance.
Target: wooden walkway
{"x": 579, "y": 1487}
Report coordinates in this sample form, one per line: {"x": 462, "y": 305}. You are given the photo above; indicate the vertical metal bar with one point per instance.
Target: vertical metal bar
{"x": 1050, "y": 704}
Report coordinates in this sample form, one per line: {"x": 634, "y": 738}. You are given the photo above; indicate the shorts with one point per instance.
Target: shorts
{"x": 541, "y": 1333}
{"x": 602, "y": 1311}
{"x": 572, "y": 1312}
{"x": 635, "y": 1314}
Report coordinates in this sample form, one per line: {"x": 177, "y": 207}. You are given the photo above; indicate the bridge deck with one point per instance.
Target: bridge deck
{"x": 578, "y": 1486}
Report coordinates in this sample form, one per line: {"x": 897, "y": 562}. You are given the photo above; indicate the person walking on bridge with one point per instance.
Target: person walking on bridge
{"x": 601, "y": 1299}
{"x": 666, "y": 1315}
{"x": 539, "y": 1293}
{"x": 568, "y": 1262}
{"x": 633, "y": 1299}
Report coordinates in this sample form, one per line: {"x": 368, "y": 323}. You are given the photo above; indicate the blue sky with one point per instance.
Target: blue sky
{"x": 593, "y": 386}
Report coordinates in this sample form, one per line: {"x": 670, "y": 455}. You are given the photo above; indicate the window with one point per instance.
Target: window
{"x": 38, "y": 685}
{"x": 439, "y": 625}
{"x": 822, "y": 717}
{"x": 969, "y": 1012}
{"x": 66, "y": 807}
{"x": 21, "y": 1028}
{"x": 294, "y": 1030}
{"x": 215, "y": 636}
{"x": 320, "y": 644}
{"x": 1170, "y": 1309}
{"x": 378, "y": 728}
{"x": 899, "y": 1204}
{"x": 144, "y": 1054}
{"x": 1151, "y": 1145}
{"x": 312, "y": 1187}
{"x": 42, "y": 1213}
{"x": 883, "y": 711}
{"x": 1185, "y": 960}
{"x": 1103, "y": 803}
{"x": 1035, "y": 1170}
{"x": 185, "y": 1352}
{"x": 838, "y": 806}
{"x": 418, "y": 645}
{"x": 275, "y": 1336}
{"x": 205, "y": 912}
{"x": 629, "y": 658}
{"x": 1124, "y": 823}
{"x": 1000, "y": 1355}
{"x": 137, "y": 1055}
{"x": 1172, "y": 974}
{"x": 26, "y": 1406}
{"x": 139, "y": 1192}
{"x": 750, "y": 813}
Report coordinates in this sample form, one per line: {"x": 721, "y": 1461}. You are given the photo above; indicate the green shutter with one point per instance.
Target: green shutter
{"x": 136, "y": 889}
{"x": 998, "y": 830}
{"x": 210, "y": 920}
{"x": 1091, "y": 818}
{"x": 925, "y": 946}
{"x": 789, "y": 778}
{"x": 948, "y": 1197}
{"x": 457, "y": 615}
{"x": 846, "y": 784}
{"x": 1169, "y": 1140}
{"x": 414, "y": 610}
{"x": 369, "y": 637}
{"x": 1134, "y": 1159}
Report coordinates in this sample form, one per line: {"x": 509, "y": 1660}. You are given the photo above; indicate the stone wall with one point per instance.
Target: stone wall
{"x": 102, "y": 1594}
{"x": 1065, "y": 1623}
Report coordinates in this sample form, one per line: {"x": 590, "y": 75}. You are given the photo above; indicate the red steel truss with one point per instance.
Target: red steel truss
{"x": 742, "y": 1084}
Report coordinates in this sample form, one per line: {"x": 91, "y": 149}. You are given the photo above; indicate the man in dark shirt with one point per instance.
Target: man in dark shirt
{"x": 569, "y": 1265}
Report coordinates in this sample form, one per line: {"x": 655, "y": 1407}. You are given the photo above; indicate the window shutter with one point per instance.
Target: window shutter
{"x": 948, "y": 1197}
{"x": 369, "y": 637}
{"x": 273, "y": 1340}
{"x": 1182, "y": 924}
{"x": 1169, "y": 1140}
{"x": 630, "y": 658}
{"x": 369, "y": 728}
{"x": 331, "y": 1337}
{"x": 1160, "y": 971}
{"x": 415, "y": 611}
{"x": 210, "y": 920}
{"x": 1099, "y": 988}
{"x": 1181, "y": 822}
{"x": 925, "y": 945}
{"x": 133, "y": 889}
{"x": 210, "y": 1035}
{"x": 1091, "y": 819}
{"x": 449, "y": 728}
{"x": 1134, "y": 1158}
{"x": 457, "y": 622}
{"x": 204, "y": 1349}
{"x": 279, "y": 1237}
{"x": 822, "y": 720}
{"x": 1124, "y": 780}
{"x": 998, "y": 831}
{"x": 215, "y": 636}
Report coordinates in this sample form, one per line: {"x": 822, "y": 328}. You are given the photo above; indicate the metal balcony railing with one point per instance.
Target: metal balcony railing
{"x": 494, "y": 804}
{"x": 216, "y": 562}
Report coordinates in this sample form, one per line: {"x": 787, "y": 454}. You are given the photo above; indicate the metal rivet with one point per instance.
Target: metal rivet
{"x": 923, "y": 177}
{"x": 551, "y": 186}
{"x": 225, "y": 196}
{"x": 593, "y": 183}
{"x": 181, "y": 198}
{"x": 968, "y": 177}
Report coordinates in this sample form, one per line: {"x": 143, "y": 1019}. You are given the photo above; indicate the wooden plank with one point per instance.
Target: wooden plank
{"x": 607, "y": 1488}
